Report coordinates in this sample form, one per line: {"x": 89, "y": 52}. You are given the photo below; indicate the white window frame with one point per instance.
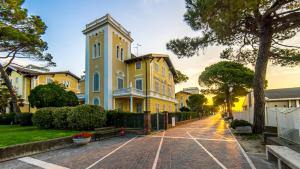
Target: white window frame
{"x": 158, "y": 86}
{"x": 156, "y": 67}
{"x": 138, "y": 79}
{"x": 98, "y": 50}
{"x": 98, "y": 81}
{"x": 122, "y": 54}
{"x": 49, "y": 79}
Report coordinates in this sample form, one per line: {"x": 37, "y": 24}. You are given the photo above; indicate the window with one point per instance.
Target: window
{"x": 122, "y": 52}
{"x": 95, "y": 51}
{"x": 120, "y": 106}
{"x": 118, "y": 48}
{"x": 163, "y": 71}
{"x": 49, "y": 80}
{"x": 96, "y": 82}
{"x": 169, "y": 91}
{"x": 170, "y": 75}
{"x": 164, "y": 89}
{"x": 139, "y": 84}
{"x": 66, "y": 84}
{"x": 96, "y": 101}
{"x": 120, "y": 83}
{"x": 99, "y": 50}
{"x": 156, "y": 67}
{"x": 138, "y": 65}
{"x": 157, "y": 86}
{"x": 17, "y": 80}
{"x": 139, "y": 108}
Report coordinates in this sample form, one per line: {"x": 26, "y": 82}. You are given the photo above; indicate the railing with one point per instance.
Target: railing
{"x": 129, "y": 91}
{"x": 161, "y": 96}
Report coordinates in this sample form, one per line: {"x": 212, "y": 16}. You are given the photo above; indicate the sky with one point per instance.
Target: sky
{"x": 152, "y": 24}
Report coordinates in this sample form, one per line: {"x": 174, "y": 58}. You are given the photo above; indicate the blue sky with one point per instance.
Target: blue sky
{"x": 152, "y": 23}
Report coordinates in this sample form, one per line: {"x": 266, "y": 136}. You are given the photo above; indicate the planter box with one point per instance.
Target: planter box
{"x": 81, "y": 141}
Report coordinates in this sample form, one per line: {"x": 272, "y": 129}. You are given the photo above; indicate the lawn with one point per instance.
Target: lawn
{"x": 14, "y": 134}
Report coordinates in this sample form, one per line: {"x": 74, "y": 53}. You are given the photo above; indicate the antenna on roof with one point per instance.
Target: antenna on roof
{"x": 137, "y": 49}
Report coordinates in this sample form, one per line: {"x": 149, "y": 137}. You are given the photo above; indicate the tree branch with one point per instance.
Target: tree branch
{"x": 13, "y": 57}
{"x": 289, "y": 46}
{"x": 287, "y": 12}
{"x": 275, "y": 6}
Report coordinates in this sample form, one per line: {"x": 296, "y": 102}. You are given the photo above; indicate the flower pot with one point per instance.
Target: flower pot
{"x": 81, "y": 141}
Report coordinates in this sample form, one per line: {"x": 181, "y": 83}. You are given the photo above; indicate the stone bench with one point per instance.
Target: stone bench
{"x": 285, "y": 157}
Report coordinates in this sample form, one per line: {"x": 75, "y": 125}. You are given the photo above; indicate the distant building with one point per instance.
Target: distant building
{"x": 191, "y": 90}
{"x": 24, "y": 80}
{"x": 285, "y": 97}
{"x": 181, "y": 98}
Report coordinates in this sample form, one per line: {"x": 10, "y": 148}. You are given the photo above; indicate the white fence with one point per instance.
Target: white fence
{"x": 287, "y": 121}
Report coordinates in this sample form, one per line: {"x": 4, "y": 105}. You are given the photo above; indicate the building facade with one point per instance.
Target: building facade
{"x": 181, "y": 98}
{"x": 24, "y": 80}
{"x": 116, "y": 79}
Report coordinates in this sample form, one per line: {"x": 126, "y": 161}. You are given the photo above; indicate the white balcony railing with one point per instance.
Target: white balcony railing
{"x": 129, "y": 91}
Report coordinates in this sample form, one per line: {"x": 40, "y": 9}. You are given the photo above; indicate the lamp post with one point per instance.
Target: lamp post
{"x": 229, "y": 101}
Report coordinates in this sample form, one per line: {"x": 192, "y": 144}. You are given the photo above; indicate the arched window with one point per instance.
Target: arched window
{"x": 99, "y": 50}
{"x": 96, "y": 82}
{"x": 96, "y": 101}
{"x": 118, "y": 48}
{"x": 122, "y": 51}
{"x": 95, "y": 51}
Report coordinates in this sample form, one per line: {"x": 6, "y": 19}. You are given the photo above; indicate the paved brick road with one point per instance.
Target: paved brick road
{"x": 206, "y": 144}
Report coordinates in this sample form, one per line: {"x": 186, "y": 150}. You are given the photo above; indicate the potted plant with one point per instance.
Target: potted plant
{"x": 82, "y": 138}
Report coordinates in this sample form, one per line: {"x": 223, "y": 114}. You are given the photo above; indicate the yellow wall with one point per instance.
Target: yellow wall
{"x": 169, "y": 106}
{"x": 81, "y": 86}
{"x": 96, "y": 65}
{"x": 59, "y": 78}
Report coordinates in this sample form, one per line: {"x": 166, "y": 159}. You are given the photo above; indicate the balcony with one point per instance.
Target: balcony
{"x": 131, "y": 91}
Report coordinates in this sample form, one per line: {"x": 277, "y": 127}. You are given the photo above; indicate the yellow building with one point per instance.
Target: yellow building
{"x": 181, "y": 98}
{"x": 24, "y": 80}
{"x": 116, "y": 79}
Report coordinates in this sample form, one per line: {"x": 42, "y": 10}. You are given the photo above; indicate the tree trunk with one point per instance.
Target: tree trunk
{"x": 265, "y": 41}
{"x": 228, "y": 104}
{"x": 13, "y": 96}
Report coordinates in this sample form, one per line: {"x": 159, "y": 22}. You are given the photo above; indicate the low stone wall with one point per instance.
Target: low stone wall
{"x": 16, "y": 151}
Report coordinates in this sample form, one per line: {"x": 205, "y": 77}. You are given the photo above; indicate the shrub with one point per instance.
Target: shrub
{"x": 239, "y": 123}
{"x": 182, "y": 116}
{"x": 8, "y": 118}
{"x": 43, "y": 118}
{"x": 184, "y": 109}
{"x": 86, "y": 117}
{"x": 60, "y": 116}
{"x": 25, "y": 119}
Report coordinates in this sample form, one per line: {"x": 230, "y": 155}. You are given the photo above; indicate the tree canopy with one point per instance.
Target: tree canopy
{"x": 254, "y": 31}
{"x": 52, "y": 95}
{"x": 20, "y": 37}
{"x": 224, "y": 76}
{"x": 180, "y": 77}
{"x": 196, "y": 102}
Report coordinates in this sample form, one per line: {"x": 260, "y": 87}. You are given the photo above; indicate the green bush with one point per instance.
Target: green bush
{"x": 25, "y": 119}
{"x": 125, "y": 119}
{"x": 8, "y": 118}
{"x": 182, "y": 116}
{"x": 60, "y": 116}
{"x": 43, "y": 118}
{"x": 239, "y": 123}
{"x": 86, "y": 117}
{"x": 184, "y": 109}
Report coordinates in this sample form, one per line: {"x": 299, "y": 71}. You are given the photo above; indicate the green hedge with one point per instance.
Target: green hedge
{"x": 86, "y": 117}
{"x": 82, "y": 117}
{"x": 239, "y": 123}
{"x": 182, "y": 116}
{"x": 43, "y": 118}
{"x": 60, "y": 116}
{"x": 7, "y": 118}
{"x": 25, "y": 119}
{"x": 125, "y": 119}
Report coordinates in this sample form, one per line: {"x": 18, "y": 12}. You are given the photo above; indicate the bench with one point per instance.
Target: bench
{"x": 105, "y": 132}
{"x": 285, "y": 157}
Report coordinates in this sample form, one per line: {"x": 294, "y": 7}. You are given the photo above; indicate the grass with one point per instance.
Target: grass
{"x": 14, "y": 134}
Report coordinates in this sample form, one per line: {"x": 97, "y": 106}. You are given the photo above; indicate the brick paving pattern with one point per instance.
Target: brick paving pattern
{"x": 181, "y": 148}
